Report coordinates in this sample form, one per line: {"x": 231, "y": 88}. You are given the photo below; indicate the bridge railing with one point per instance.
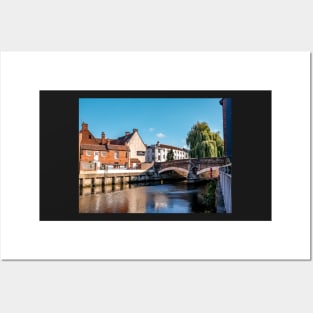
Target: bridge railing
{"x": 225, "y": 181}
{"x": 208, "y": 162}
{"x": 218, "y": 161}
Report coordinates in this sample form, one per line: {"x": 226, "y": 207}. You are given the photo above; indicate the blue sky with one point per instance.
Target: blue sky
{"x": 167, "y": 120}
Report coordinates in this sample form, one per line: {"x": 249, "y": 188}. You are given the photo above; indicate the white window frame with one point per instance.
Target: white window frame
{"x": 88, "y": 152}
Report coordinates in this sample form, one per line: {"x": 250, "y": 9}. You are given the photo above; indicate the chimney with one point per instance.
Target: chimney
{"x": 102, "y": 138}
{"x": 135, "y": 130}
{"x": 84, "y": 126}
{"x": 109, "y": 141}
{"x": 127, "y": 133}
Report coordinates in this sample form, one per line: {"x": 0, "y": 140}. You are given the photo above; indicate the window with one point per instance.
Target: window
{"x": 96, "y": 153}
{"x": 126, "y": 154}
{"x": 116, "y": 155}
{"x": 102, "y": 154}
{"x": 159, "y": 158}
{"x": 88, "y": 152}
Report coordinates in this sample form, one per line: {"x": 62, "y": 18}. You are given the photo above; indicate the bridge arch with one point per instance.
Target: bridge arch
{"x": 178, "y": 170}
{"x": 207, "y": 169}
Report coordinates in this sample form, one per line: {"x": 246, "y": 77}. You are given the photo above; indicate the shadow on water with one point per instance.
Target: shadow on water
{"x": 178, "y": 197}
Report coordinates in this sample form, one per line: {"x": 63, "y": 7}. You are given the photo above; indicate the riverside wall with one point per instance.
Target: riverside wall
{"x": 98, "y": 178}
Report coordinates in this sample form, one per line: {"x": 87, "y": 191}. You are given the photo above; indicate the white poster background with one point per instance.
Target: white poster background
{"x": 24, "y": 74}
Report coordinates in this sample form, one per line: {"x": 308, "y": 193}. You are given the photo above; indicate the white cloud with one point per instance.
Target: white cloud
{"x": 160, "y": 135}
{"x": 151, "y": 129}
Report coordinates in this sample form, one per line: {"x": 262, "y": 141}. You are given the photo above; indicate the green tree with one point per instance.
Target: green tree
{"x": 219, "y": 144}
{"x": 204, "y": 143}
{"x": 170, "y": 155}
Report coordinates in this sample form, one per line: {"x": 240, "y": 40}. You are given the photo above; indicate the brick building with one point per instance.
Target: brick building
{"x": 99, "y": 153}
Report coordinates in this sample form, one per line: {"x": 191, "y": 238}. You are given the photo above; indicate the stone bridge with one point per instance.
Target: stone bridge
{"x": 191, "y": 168}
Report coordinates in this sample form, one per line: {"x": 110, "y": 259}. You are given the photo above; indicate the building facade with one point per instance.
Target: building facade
{"x": 136, "y": 147}
{"x": 159, "y": 153}
{"x": 100, "y": 153}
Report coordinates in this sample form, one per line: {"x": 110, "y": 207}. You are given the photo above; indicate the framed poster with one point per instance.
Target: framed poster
{"x": 42, "y": 211}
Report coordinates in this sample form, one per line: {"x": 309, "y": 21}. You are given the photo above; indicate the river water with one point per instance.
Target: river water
{"x": 178, "y": 197}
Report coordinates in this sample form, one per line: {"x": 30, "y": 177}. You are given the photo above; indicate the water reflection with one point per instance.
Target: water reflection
{"x": 125, "y": 198}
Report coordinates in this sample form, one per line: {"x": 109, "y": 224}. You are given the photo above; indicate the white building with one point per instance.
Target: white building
{"x": 158, "y": 153}
{"x": 136, "y": 146}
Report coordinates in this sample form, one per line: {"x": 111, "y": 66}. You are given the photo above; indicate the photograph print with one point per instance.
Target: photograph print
{"x": 155, "y": 156}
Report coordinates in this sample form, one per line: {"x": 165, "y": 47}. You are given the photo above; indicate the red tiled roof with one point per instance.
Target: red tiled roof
{"x": 89, "y": 142}
{"x": 93, "y": 147}
{"x": 104, "y": 147}
{"x": 118, "y": 147}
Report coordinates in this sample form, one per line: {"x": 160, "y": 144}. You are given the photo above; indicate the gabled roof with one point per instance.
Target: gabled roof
{"x": 125, "y": 139}
{"x": 89, "y": 142}
{"x": 122, "y": 140}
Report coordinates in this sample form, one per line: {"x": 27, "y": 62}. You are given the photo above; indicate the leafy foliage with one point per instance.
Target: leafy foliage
{"x": 204, "y": 143}
{"x": 209, "y": 198}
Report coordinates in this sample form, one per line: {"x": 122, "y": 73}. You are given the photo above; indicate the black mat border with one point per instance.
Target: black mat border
{"x": 251, "y": 140}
